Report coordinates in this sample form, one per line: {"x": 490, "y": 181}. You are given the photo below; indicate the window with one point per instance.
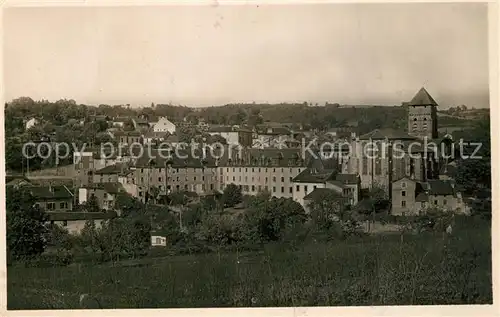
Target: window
{"x": 403, "y": 193}
{"x": 274, "y": 178}
{"x": 211, "y": 186}
{"x": 274, "y": 189}
{"x": 203, "y": 178}
{"x": 253, "y": 188}
{"x": 65, "y": 223}
{"x": 140, "y": 194}
{"x": 403, "y": 185}
{"x": 186, "y": 187}
{"x": 365, "y": 165}
{"x": 51, "y": 206}
{"x": 444, "y": 201}
{"x": 246, "y": 169}
{"x": 252, "y": 169}
{"x": 282, "y": 189}
{"x": 239, "y": 169}
{"x": 227, "y": 170}
{"x": 314, "y": 187}
{"x": 403, "y": 203}
{"x": 246, "y": 179}
{"x": 158, "y": 240}
{"x": 159, "y": 179}
{"x": 234, "y": 169}
{"x": 282, "y": 179}
{"x": 194, "y": 178}
{"x": 234, "y": 179}
{"x": 259, "y": 188}
{"x": 291, "y": 190}
{"x": 252, "y": 178}
{"x": 415, "y": 119}
{"x": 266, "y": 179}
{"x": 291, "y": 179}
{"x": 203, "y": 187}
{"x": 63, "y": 205}
{"x": 266, "y": 188}
{"x": 274, "y": 170}
{"x": 266, "y": 169}
{"x": 435, "y": 202}
{"x": 177, "y": 170}
{"x": 142, "y": 179}
{"x": 297, "y": 189}
{"x": 305, "y": 189}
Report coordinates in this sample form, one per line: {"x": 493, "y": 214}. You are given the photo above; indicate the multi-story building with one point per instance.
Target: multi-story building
{"x": 52, "y": 198}
{"x": 105, "y": 193}
{"x": 260, "y": 170}
{"x": 410, "y": 197}
{"x": 234, "y": 135}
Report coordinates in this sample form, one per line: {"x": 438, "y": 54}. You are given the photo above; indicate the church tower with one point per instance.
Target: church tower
{"x": 422, "y": 116}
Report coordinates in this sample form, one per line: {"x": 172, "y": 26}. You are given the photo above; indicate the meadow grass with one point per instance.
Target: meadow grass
{"x": 429, "y": 268}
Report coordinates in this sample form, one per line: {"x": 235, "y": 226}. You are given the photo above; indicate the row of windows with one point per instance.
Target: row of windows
{"x": 403, "y": 202}
{"x": 52, "y": 206}
{"x": 175, "y": 170}
{"x": 253, "y": 169}
{"x": 258, "y": 179}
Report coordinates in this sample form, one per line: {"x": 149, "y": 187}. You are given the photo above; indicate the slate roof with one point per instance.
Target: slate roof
{"x": 112, "y": 169}
{"x": 316, "y": 173}
{"x": 109, "y": 187}
{"x": 177, "y": 159}
{"x": 440, "y": 187}
{"x": 348, "y": 179}
{"x": 127, "y": 133}
{"x": 50, "y": 192}
{"x": 319, "y": 193}
{"x": 422, "y": 197}
{"x": 422, "y": 98}
{"x": 382, "y": 134}
{"x": 273, "y": 131}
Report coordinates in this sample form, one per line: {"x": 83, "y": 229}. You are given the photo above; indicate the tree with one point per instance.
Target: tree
{"x": 232, "y": 195}
{"x": 92, "y": 204}
{"x": 26, "y": 230}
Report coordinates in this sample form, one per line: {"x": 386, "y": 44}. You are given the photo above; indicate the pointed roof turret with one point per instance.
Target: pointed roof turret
{"x": 422, "y": 98}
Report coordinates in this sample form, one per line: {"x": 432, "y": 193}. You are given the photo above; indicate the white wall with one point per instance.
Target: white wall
{"x": 299, "y": 195}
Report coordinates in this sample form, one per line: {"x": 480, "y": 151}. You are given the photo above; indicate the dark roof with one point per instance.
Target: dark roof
{"x": 121, "y": 119}
{"x": 423, "y": 98}
{"x": 315, "y": 175}
{"x": 176, "y": 158}
{"x": 391, "y": 134}
{"x": 109, "y": 187}
{"x": 440, "y": 187}
{"x": 127, "y": 133}
{"x": 141, "y": 121}
{"x": 319, "y": 193}
{"x": 69, "y": 216}
{"x": 273, "y": 131}
{"x": 422, "y": 197}
{"x": 347, "y": 178}
{"x": 112, "y": 169}
{"x": 50, "y": 192}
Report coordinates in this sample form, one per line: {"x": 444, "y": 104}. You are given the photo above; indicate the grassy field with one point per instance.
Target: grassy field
{"x": 378, "y": 270}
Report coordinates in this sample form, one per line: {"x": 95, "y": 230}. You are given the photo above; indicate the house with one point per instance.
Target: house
{"x": 234, "y": 135}
{"x": 158, "y": 239}
{"x": 141, "y": 124}
{"x": 31, "y": 123}
{"x": 266, "y": 136}
{"x": 152, "y": 137}
{"x": 120, "y": 121}
{"x": 164, "y": 125}
{"x": 314, "y": 176}
{"x": 74, "y": 222}
{"x": 52, "y": 198}
{"x": 349, "y": 185}
{"x": 105, "y": 193}
{"x": 128, "y": 137}
{"x": 319, "y": 194}
{"x": 410, "y": 197}
{"x": 109, "y": 174}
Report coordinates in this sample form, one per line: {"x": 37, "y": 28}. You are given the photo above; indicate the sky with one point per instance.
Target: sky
{"x": 214, "y": 55}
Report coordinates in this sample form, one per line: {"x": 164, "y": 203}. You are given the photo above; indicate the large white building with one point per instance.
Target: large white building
{"x": 164, "y": 125}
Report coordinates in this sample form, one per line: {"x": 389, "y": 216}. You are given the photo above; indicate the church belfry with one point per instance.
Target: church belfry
{"x": 422, "y": 116}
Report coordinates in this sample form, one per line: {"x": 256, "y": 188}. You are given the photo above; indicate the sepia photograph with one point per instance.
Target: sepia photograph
{"x": 254, "y": 155}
